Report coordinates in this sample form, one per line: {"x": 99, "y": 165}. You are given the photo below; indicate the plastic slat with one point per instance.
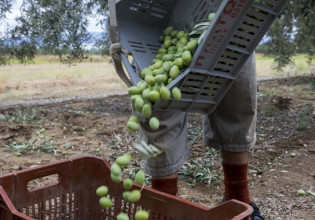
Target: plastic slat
{"x": 197, "y": 84}
{"x": 247, "y": 26}
{"x": 214, "y": 84}
{"x": 264, "y": 8}
{"x": 195, "y": 76}
{"x": 224, "y": 67}
{"x": 237, "y": 49}
{"x": 193, "y": 83}
{"x": 208, "y": 94}
{"x": 189, "y": 89}
{"x": 253, "y": 21}
{"x": 215, "y": 73}
{"x": 257, "y": 14}
{"x": 243, "y": 43}
{"x": 245, "y": 35}
{"x": 232, "y": 54}
{"x": 227, "y": 60}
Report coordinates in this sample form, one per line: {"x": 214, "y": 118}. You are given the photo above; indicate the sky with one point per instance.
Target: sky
{"x": 15, "y": 12}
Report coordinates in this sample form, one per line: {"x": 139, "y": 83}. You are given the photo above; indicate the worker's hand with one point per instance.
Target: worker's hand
{"x": 148, "y": 150}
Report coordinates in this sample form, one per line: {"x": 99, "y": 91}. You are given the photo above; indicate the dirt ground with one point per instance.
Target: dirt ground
{"x": 281, "y": 163}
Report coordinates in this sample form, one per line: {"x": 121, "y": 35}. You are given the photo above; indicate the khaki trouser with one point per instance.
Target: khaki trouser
{"x": 231, "y": 127}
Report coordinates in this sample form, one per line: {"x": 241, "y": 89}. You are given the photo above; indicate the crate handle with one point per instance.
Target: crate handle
{"x": 115, "y": 50}
{"x": 130, "y": 69}
{"x": 62, "y": 169}
{"x": 51, "y": 182}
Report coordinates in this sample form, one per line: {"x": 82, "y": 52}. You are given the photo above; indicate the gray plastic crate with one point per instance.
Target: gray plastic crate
{"x": 238, "y": 27}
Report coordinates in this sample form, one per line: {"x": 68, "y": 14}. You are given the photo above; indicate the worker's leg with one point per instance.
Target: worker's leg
{"x": 231, "y": 128}
{"x": 171, "y": 137}
{"x": 235, "y": 166}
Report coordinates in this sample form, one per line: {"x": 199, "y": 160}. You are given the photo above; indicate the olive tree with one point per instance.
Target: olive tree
{"x": 293, "y": 32}
{"x": 60, "y": 28}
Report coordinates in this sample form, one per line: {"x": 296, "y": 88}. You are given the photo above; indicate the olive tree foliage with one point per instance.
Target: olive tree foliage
{"x": 56, "y": 27}
{"x": 293, "y": 32}
{"x": 59, "y": 27}
{"x": 5, "y": 5}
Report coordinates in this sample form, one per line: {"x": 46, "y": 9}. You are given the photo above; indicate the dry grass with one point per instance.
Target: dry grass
{"x": 58, "y": 80}
{"x": 3, "y": 85}
{"x": 300, "y": 66}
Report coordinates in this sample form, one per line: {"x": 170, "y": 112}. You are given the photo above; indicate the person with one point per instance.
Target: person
{"x": 231, "y": 128}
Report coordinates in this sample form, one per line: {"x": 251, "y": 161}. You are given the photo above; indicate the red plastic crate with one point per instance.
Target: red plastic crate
{"x": 72, "y": 196}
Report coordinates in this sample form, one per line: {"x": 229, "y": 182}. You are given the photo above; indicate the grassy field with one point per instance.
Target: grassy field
{"x": 298, "y": 67}
{"x": 46, "y": 77}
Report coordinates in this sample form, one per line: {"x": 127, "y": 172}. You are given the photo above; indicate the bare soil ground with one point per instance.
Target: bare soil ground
{"x": 281, "y": 163}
